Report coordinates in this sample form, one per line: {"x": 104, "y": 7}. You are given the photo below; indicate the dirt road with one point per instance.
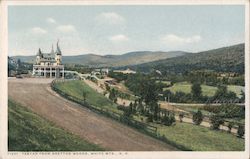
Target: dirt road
{"x": 37, "y": 95}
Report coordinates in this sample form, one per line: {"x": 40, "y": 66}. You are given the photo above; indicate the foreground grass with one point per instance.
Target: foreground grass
{"x": 206, "y": 90}
{"x": 197, "y": 138}
{"x": 76, "y": 89}
{"x": 29, "y": 132}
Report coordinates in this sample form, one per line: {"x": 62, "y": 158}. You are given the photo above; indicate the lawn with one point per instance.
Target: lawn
{"x": 206, "y": 90}
{"x": 199, "y": 138}
{"x": 76, "y": 89}
{"x": 28, "y": 131}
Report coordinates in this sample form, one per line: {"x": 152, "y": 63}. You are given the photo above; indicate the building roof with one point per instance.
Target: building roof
{"x": 51, "y": 54}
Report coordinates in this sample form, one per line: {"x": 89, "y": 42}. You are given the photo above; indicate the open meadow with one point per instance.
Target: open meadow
{"x": 206, "y": 90}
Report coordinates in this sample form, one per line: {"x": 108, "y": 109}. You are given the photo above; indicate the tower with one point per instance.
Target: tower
{"x": 52, "y": 49}
{"x": 38, "y": 56}
{"x": 58, "y": 54}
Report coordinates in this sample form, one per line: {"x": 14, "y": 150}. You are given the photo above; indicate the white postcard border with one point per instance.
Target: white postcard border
{"x": 115, "y": 154}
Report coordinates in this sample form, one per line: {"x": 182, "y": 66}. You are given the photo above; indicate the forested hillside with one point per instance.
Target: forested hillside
{"x": 226, "y": 59}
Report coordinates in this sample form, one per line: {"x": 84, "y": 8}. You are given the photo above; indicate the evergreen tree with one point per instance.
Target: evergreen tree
{"x": 196, "y": 91}
{"x": 216, "y": 121}
{"x": 241, "y": 131}
{"x": 197, "y": 117}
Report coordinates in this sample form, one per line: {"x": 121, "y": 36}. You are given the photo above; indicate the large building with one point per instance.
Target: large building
{"x": 127, "y": 71}
{"x": 49, "y": 65}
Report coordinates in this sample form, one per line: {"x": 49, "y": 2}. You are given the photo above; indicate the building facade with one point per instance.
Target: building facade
{"x": 49, "y": 65}
{"x": 127, "y": 71}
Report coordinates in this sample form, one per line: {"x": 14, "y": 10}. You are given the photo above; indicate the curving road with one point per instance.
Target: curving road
{"x": 37, "y": 95}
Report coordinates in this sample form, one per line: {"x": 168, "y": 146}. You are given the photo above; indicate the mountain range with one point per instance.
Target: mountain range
{"x": 225, "y": 59}
{"x": 131, "y": 58}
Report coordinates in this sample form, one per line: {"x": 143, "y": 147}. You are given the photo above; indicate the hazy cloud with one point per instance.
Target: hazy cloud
{"x": 38, "y": 30}
{"x": 174, "y": 39}
{"x": 51, "y": 20}
{"x": 66, "y": 28}
{"x": 119, "y": 37}
{"x": 110, "y": 18}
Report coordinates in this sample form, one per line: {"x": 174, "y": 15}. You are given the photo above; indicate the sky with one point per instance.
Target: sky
{"x": 116, "y": 30}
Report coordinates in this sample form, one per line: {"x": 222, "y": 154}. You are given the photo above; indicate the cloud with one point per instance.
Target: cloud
{"x": 66, "y": 28}
{"x": 118, "y": 38}
{"x": 111, "y": 18}
{"x": 174, "y": 39}
{"x": 51, "y": 20}
{"x": 38, "y": 30}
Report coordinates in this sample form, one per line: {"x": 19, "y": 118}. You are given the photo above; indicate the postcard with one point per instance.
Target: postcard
{"x": 124, "y": 79}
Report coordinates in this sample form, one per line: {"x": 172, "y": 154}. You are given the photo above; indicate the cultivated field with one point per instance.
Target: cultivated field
{"x": 37, "y": 95}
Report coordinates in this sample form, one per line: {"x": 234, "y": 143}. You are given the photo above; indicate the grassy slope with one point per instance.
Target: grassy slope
{"x": 206, "y": 90}
{"x": 30, "y": 132}
{"x": 200, "y": 138}
{"x": 76, "y": 88}
{"x": 196, "y": 138}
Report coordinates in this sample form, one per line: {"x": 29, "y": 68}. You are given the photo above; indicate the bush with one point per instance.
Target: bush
{"x": 216, "y": 121}
{"x": 229, "y": 125}
{"x": 121, "y": 107}
{"x": 168, "y": 120}
{"x": 181, "y": 116}
{"x": 197, "y": 117}
{"x": 241, "y": 131}
{"x": 149, "y": 118}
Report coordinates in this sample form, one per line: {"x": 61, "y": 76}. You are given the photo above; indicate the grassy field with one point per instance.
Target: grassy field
{"x": 236, "y": 89}
{"x": 206, "y": 90}
{"x": 29, "y": 132}
{"x": 197, "y": 138}
{"x": 76, "y": 89}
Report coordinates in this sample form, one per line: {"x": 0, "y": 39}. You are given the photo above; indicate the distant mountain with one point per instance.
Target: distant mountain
{"x": 131, "y": 58}
{"x": 226, "y": 59}
{"x": 28, "y": 59}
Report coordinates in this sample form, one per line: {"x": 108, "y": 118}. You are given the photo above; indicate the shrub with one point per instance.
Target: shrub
{"x": 181, "y": 116}
{"x": 241, "y": 131}
{"x": 229, "y": 125}
{"x": 126, "y": 111}
{"x": 216, "y": 121}
{"x": 149, "y": 118}
{"x": 197, "y": 117}
{"x": 121, "y": 107}
{"x": 168, "y": 120}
